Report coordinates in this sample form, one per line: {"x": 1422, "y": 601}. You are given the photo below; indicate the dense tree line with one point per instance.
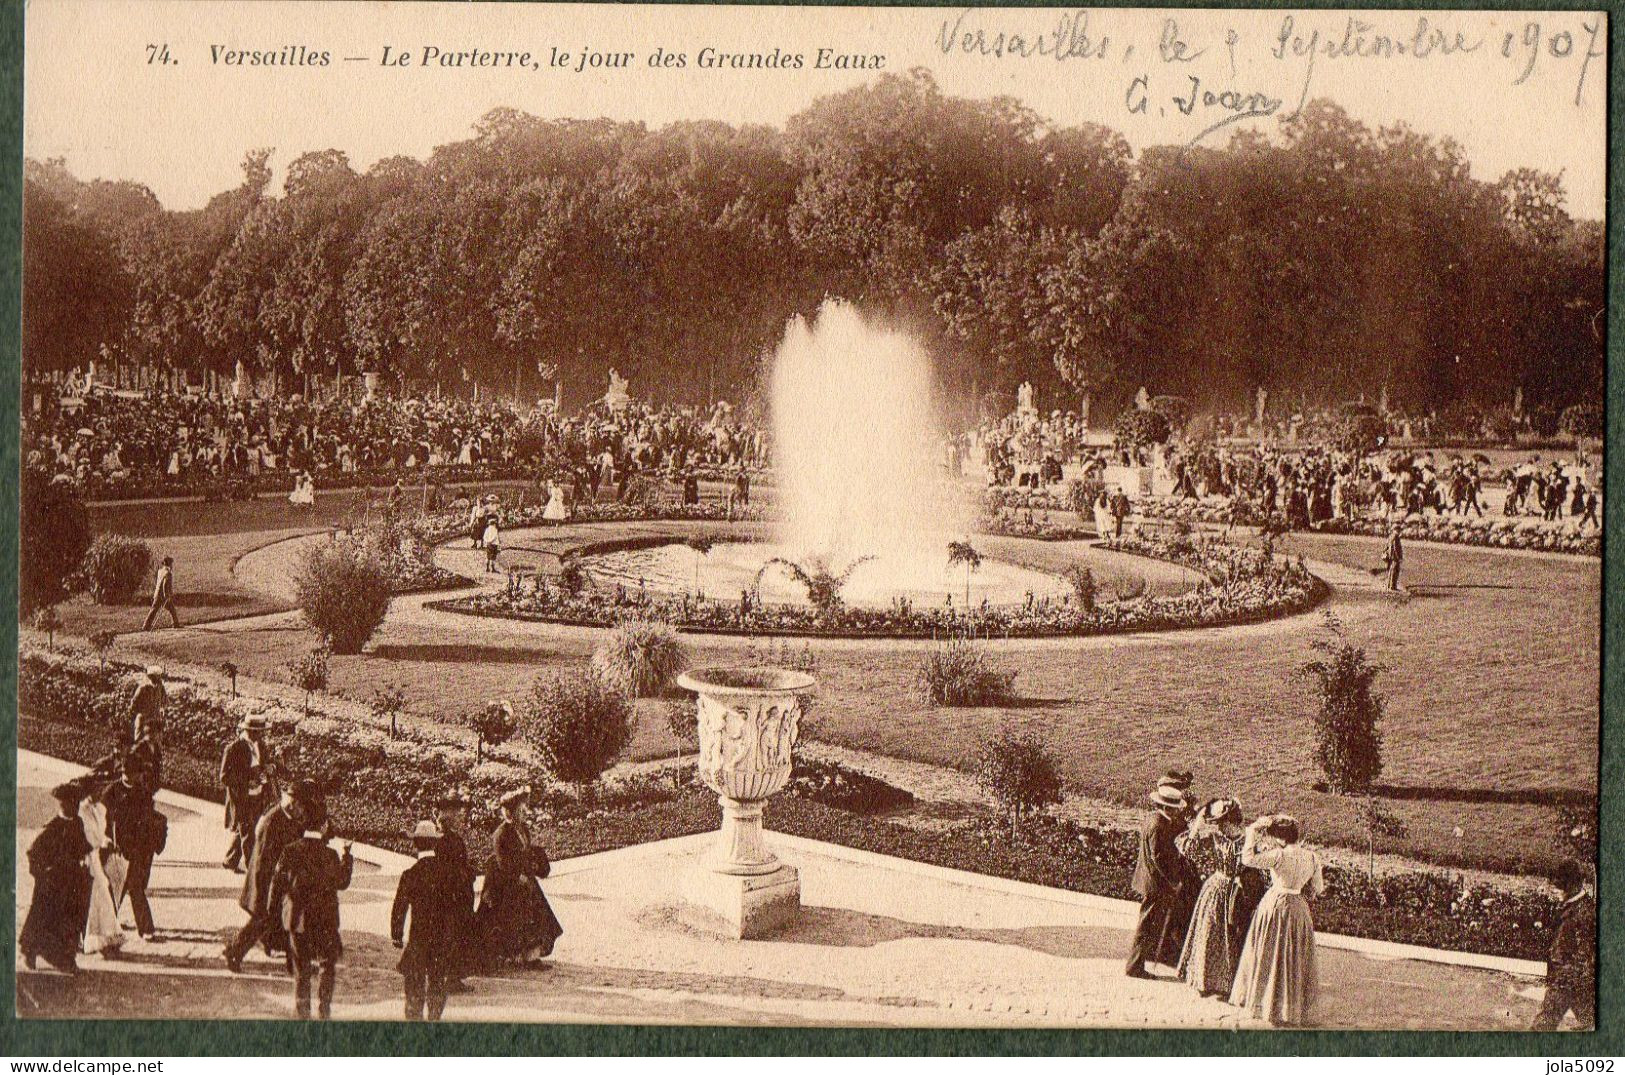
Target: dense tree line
{"x": 1330, "y": 261}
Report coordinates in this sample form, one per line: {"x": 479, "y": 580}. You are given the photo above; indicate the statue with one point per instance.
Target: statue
{"x": 1142, "y": 399}
{"x": 1024, "y": 399}
{"x": 1263, "y": 400}
{"x": 617, "y": 397}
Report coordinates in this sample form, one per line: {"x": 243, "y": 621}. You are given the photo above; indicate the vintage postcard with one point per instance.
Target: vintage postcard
{"x": 928, "y": 517}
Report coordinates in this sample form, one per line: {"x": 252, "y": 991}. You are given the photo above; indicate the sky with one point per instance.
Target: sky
{"x": 163, "y": 93}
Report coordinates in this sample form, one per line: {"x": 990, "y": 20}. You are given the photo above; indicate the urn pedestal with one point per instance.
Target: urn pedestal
{"x": 748, "y": 723}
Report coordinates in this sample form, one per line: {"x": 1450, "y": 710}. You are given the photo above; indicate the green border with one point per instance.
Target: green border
{"x": 132, "y": 1038}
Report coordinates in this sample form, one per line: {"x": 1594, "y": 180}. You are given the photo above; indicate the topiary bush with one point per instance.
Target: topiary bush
{"x": 344, "y": 593}
{"x": 114, "y": 568}
{"x": 1348, "y": 744}
{"x": 639, "y": 656}
{"x": 1017, "y": 769}
{"x": 1084, "y": 588}
{"x": 494, "y": 724}
{"x": 1138, "y": 429}
{"x": 53, "y": 533}
{"x": 578, "y": 724}
{"x": 961, "y": 673}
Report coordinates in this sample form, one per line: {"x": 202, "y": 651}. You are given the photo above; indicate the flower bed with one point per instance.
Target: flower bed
{"x": 1243, "y": 586}
{"x": 244, "y": 486}
{"x": 378, "y": 786}
{"x": 1488, "y": 531}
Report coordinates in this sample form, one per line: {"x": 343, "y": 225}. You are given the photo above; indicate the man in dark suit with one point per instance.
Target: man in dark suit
{"x": 304, "y": 896}
{"x": 163, "y": 595}
{"x": 146, "y": 704}
{"x": 452, "y": 851}
{"x": 276, "y": 830}
{"x": 1394, "y": 556}
{"x": 243, "y": 769}
{"x": 147, "y": 753}
{"x": 1165, "y": 882}
{"x": 137, "y": 831}
{"x": 431, "y": 893}
{"x": 1571, "y": 968}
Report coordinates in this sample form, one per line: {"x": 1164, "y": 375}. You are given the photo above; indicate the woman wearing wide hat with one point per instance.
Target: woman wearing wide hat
{"x": 514, "y": 917}
{"x": 1276, "y": 976}
{"x": 1225, "y": 904}
{"x": 61, "y": 899}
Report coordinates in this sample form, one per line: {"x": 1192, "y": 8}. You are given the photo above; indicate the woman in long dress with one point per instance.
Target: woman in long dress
{"x": 56, "y": 911}
{"x": 555, "y": 511}
{"x": 102, "y": 934}
{"x": 1276, "y": 977}
{"x": 1225, "y": 904}
{"x": 304, "y": 491}
{"x": 514, "y": 917}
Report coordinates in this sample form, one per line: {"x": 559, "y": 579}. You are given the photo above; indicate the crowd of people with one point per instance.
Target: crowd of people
{"x": 1317, "y": 484}
{"x": 100, "y": 848}
{"x": 100, "y": 439}
{"x": 1225, "y": 905}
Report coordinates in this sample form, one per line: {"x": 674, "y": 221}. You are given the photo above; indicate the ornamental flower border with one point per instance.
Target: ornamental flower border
{"x": 1487, "y": 531}
{"x": 1241, "y": 586}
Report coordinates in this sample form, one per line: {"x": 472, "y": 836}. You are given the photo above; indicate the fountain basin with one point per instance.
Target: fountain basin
{"x": 924, "y": 580}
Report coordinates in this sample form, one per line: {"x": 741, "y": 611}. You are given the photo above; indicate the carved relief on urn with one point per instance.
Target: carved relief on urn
{"x": 748, "y": 723}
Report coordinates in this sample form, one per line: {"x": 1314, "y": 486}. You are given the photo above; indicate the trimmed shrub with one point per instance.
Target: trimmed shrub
{"x": 53, "y": 533}
{"x": 1017, "y": 769}
{"x": 1176, "y": 409}
{"x": 494, "y": 724}
{"x": 1361, "y": 432}
{"x": 1081, "y": 494}
{"x": 309, "y": 674}
{"x": 1583, "y": 421}
{"x": 114, "y": 568}
{"x": 578, "y": 725}
{"x": 1348, "y": 745}
{"x": 344, "y": 593}
{"x": 1137, "y": 428}
{"x": 639, "y": 657}
{"x": 1083, "y": 586}
{"x": 961, "y": 673}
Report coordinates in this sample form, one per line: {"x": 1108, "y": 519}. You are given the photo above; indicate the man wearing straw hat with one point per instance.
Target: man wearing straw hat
{"x": 243, "y": 769}
{"x": 1164, "y": 881}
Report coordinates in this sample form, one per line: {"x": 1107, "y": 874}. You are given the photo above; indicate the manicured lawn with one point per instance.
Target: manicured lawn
{"x": 1491, "y": 674}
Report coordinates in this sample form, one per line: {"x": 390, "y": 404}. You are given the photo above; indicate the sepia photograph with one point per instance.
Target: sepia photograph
{"x": 811, "y": 517}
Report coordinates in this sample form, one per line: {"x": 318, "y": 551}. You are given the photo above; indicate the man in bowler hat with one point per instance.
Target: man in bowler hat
{"x": 431, "y": 896}
{"x": 1571, "y": 968}
{"x": 452, "y": 853}
{"x": 305, "y": 897}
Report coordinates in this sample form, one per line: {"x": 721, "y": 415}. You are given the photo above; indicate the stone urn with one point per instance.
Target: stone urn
{"x": 748, "y": 723}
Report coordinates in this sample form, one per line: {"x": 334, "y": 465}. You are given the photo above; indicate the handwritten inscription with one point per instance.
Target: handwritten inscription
{"x": 1285, "y": 65}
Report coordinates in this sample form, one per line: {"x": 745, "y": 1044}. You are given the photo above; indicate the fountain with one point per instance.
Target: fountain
{"x": 857, "y": 454}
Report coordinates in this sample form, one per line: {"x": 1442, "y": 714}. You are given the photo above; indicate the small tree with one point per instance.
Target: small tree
{"x": 1582, "y": 421}
{"x": 229, "y": 670}
{"x": 578, "y": 725}
{"x": 683, "y": 724}
{"x": 102, "y": 643}
{"x": 47, "y": 619}
{"x": 1018, "y": 771}
{"x": 53, "y": 533}
{"x": 494, "y": 724}
{"x": 344, "y": 592}
{"x": 309, "y": 674}
{"x": 1376, "y": 820}
{"x": 1348, "y": 744}
{"x": 1139, "y": 429}
{"x": 963, "y": 552}
{"x": 387, "y": 703}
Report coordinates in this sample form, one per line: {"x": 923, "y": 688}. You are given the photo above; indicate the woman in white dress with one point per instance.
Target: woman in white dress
{"x": 102, "y": 931}
{"x": 555, "y": 511}
{"x": 1276, "y": 978}
{"x": 304, "y": 491}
